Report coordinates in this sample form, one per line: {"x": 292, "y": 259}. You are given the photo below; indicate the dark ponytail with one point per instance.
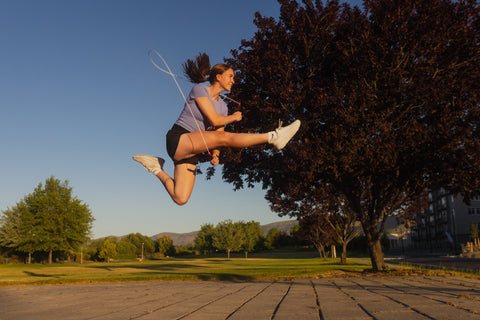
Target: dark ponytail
{"x": 197, "y": 70}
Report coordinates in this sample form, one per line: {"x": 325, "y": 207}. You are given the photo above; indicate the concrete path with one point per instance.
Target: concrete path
{"x": 369, "y": 297}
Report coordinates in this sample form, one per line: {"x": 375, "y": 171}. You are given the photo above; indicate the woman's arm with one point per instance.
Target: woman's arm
{"x": 215, "y": 119}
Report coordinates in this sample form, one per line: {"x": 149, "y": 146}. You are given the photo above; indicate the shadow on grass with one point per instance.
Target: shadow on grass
{"x": 204, "y": 270}
{"x": 175, "y": 271}
{"x": 39, "y": 275}
{"x": 153, "y": 267}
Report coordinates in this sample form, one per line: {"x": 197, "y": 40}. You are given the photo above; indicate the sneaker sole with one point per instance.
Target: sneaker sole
{"x": 139, "y": 157}
{"x": 296, "y": 125}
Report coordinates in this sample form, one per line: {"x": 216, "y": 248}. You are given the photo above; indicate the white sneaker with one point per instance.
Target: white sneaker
{"x": 152, "y": 164}
{"x": 282, "y": 135}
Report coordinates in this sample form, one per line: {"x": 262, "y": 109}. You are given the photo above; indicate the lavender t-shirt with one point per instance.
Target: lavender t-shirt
{"x": 186, "y": 120}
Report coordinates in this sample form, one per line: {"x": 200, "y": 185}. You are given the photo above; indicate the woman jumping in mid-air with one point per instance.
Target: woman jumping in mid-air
{"x": 189, "y": 136}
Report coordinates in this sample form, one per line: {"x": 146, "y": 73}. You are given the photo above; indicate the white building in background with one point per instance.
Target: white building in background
{"x": 445, "y": 224}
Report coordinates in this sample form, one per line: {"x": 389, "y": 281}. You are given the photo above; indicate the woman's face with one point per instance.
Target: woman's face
{"x": 226, "y": 79}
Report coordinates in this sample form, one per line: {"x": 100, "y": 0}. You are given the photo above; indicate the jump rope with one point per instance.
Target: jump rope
{"x": 174, "y": 77}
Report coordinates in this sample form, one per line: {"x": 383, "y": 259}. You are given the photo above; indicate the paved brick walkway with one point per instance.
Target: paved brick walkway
{"x": 329, "y": 298}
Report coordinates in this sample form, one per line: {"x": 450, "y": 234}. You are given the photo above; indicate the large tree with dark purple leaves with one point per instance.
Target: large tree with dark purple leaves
{"x": 388, "y": 96}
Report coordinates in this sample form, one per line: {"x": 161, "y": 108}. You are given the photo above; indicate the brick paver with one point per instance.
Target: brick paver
{"x": 369, "y": 297}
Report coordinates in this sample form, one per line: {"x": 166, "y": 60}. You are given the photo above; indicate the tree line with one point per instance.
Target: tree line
{"x": 226, "y": 237}
{"x": 129, "y": 247}
{"x": 318, "y": 231}
{"x": 51, "y": 224}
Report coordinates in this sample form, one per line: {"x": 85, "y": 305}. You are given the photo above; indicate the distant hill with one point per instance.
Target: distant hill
{"x": 283, "y": 226}
{"x": 181, "y": 239}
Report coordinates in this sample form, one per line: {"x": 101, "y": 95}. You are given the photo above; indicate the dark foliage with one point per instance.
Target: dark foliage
{"x": 388, "y": 98}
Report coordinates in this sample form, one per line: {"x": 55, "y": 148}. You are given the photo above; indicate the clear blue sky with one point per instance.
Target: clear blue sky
{"x": 79, "y": 98}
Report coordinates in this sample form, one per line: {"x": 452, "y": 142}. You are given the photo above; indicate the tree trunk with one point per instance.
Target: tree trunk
{"x": 334, "y": 251}
{"x": 29, "y": 258}
{"x": 246, "y": 255}
{"x": 50, "y": 255}
{"x": 373, "y": 236}
{"x": 228, "y": 254}
{"x": 376, "y": 254}
{"x": 343, "y": 258}
{"x": 321, "y": 251}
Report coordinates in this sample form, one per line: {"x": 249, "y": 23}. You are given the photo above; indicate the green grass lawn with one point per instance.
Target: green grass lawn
{"x": 273, "y": 265}
{"x": 238, "y": 268}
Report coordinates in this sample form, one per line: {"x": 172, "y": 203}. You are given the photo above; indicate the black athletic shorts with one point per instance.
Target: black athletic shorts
{"x": 173, "y": 137}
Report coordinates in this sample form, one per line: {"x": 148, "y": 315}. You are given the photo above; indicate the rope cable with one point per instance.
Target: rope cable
{"x": 169, "y": 72}
{"x": 183, "y": 78}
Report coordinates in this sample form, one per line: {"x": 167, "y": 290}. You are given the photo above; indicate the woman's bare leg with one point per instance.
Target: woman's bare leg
{"x": 193, "y": 143}
{"x": 180, "y": 188}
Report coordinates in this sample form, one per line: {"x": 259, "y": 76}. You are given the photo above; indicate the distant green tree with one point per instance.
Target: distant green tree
{"x": 187, "y": 249}
{"x": 93, "y": 248}
{"x": 61, "y": 221}
{"x": 140, "y": 241}
{"x": 109, "y": 250}
{"x": 294, "y": 236}
{"x": 10, "y": 228}
{"x": 49, "y": 219}
{"x": 15, "y": 224}
{"x": 204, "y": 239}
{"x": 126, "y": 249}
{"x": 253, "y": 234}
{"x": 272, "y": 239}
{"x": 164, "y": 246}
{"x": 228, "y": 236}
{"x": 293, "y": 230}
